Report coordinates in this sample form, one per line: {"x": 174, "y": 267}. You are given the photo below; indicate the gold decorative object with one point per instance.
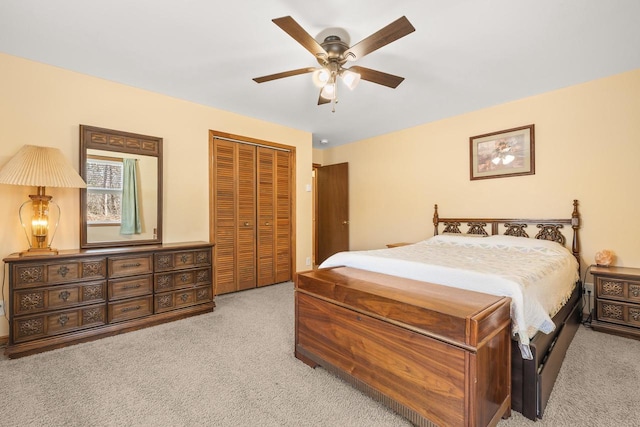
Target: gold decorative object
{"x": 604, "y": 258}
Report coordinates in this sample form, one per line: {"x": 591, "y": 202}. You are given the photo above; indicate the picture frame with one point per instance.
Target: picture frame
{"x": 502, "y": 154}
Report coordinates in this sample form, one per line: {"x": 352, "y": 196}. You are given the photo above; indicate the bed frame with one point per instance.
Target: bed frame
{"x": 533, "y": 380}
{"x": 324, "y": 295}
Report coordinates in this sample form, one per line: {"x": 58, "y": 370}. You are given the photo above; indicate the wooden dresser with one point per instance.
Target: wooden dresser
{"x": 617, "y": 301}
{"x": 82, "y": 295}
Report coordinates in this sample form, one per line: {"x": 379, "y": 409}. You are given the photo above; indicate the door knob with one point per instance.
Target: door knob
{"x": 345, "y": 222}
{"x": 246, "y": 223}
{"x": 266, "y": 223}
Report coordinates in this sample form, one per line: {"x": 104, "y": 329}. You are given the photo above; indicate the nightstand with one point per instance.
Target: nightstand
{"x": 617, "y": 301}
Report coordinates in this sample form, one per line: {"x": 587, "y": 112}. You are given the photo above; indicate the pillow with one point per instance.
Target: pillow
{"x": 500, "y": 239}
{"x": 455, "y": 238}
{"x": 463, "y": 234}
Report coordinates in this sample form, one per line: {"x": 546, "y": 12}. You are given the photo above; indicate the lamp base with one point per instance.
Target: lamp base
{"x": 39, "y": 252}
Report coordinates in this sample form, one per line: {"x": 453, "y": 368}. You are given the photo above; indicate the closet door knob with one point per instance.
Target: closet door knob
{"x": 246, "y": 223}
{"x": 266, "y": 223}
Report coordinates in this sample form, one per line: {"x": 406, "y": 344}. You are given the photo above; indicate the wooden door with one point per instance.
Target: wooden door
{"x": 246, "y": 214}
{"x": 251, "y": 213}
{"x": 332, "y": 210}
{"x": 266, "y": 191}
{"x": 274, "y": 216}
{"x": 234, "y": 216}
{"x": 282, "y": 233}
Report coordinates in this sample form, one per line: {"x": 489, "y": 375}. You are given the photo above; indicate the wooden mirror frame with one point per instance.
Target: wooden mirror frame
{"x": 124, "y": 142}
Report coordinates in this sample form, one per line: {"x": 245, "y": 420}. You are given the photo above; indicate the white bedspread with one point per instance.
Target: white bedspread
{"x": 537, "y": 275}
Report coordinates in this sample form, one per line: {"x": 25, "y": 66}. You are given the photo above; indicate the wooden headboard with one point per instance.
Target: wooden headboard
{"x": 549, "y": 229}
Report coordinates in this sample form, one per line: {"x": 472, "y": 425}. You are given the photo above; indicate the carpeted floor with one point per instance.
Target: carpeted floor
{"x": 235, "y": 367}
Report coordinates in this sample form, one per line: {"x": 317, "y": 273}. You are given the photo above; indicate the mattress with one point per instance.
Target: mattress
{"x": 538, "y": 275}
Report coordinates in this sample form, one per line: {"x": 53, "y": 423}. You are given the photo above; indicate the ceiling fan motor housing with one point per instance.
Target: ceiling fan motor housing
{"x": 335, "y": 49}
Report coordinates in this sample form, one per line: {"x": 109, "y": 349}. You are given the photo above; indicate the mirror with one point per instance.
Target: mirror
{"x": 122, "y": 204}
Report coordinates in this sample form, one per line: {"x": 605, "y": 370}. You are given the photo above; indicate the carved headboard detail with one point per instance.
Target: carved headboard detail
{"x": 551, "y": 232}
{"x": 549, "y": 229}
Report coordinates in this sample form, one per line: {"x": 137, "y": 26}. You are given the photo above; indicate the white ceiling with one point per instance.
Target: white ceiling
{"x": 465, "y": 55}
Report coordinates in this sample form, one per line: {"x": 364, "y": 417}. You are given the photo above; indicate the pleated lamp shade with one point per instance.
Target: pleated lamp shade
{"x": 40, "y": 167}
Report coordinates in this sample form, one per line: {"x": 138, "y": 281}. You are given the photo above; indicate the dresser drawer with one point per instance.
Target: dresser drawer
{"x": 165, "y": 261}
{"x": 34, "y": 300}
{"x": 130, "y": 265}
{"x": 130, "y": 287}
{"x": 618, "y": 289}
{"x": 130, "y": 309}
{"x": 182, "y": 279}
{"x": 618, "y": 312}
{"x": 47, "y": 324}
{"x": 183, "y": 298}
{"x": 38, "y": 274}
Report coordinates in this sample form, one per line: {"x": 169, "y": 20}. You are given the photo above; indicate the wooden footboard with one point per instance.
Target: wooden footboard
{"x": 436, "y": 355}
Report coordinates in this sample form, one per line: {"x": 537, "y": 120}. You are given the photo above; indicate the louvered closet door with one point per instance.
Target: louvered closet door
{"x": 234, "y": 216}
{"x": 274, "y": 216}
{"x": 283, "y": 217}
{"x": 266, "y": 215}
{"x": 224, "y": 216}
{"x": 246, "y": 232}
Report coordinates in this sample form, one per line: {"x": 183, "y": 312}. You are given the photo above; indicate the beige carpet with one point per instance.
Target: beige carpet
{"x": 235, "y": 367}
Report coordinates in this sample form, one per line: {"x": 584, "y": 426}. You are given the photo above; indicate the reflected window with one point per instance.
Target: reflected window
{"x": 104, "y": 190}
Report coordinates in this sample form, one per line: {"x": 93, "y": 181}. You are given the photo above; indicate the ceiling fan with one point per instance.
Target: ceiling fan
{"x": 333, "y": 54}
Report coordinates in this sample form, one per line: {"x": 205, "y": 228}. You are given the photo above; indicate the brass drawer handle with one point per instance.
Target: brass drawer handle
{"x": 184, "y": 297}
{"x": 134, "y": 308}
{"x": 64, "y": 296}
{"x": 184, "y": 278}
{"x": 136, "y": 286}
{"x": 137, "y": 264}
{"x": 63, "y": 270}
{"x": 183, "y": 258}
{"x": 636, "y": 292}
{"x": 63, "y": 319}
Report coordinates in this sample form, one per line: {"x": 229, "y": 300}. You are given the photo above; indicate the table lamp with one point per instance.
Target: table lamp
{"x": 40, "y": 167}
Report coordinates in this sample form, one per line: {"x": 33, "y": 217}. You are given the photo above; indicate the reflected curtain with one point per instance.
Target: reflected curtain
{"x": 130, "y": 221}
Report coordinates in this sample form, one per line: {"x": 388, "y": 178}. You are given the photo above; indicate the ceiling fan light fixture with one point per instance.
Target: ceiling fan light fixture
{"x": 328, "y": 91}
{"x": 350, "y": 78}
{"x": 320, "y": 77}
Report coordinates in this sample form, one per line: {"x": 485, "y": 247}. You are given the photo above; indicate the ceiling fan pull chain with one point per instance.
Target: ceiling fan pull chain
{"x": 335, "y": 96}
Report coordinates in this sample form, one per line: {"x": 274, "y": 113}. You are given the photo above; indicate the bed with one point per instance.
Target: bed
{"x": 383, "y": 291}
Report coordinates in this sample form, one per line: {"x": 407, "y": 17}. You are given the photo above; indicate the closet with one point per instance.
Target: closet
{"x": 251, "y": 213}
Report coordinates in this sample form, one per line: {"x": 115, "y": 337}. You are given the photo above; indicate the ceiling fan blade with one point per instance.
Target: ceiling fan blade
{"x": 378, "y": 77}
{"x": 392, "y": 32}
{"x": 291, "y": 27}
{"x": 283, "y": 74}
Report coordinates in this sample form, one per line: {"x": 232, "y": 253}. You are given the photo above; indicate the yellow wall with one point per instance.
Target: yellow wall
{"x": 587, "y": 147}
{"x": 44, "y": 105}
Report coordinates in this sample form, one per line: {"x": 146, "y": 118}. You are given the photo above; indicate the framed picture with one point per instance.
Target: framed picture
{"x": 501, "y": 154}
